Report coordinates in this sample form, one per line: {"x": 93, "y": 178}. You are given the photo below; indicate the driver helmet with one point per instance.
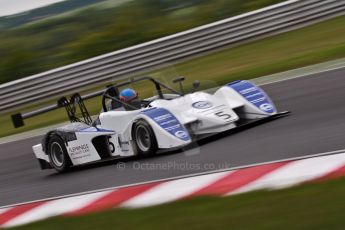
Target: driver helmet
{"x": 130, "y": 96}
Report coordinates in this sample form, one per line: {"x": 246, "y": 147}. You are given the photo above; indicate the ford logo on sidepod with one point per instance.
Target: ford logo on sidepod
{"x": 181, "y": 134}
{"x": 202, "y": 105}
{"x": 266, "y": 107}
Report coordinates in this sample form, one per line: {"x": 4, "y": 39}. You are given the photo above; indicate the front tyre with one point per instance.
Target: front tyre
{"x": 57, "y": 154}
{"x": 144, "y": 138}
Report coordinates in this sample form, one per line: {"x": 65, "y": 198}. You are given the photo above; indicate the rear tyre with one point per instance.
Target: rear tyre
{"x": 57, "y": 154}
{"x": 144, "y": 138}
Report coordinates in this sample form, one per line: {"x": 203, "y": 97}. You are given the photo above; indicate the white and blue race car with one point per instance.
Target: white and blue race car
{"x": 162, "y": 122}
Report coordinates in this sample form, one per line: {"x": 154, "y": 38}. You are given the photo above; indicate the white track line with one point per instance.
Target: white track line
{"x": 301, "y": 75}
{"x": 53, "y": 208}
{"x": 2, "y": 210}
{"x": 181, "y": 177}
{"x": 291, "y": 174}
{"x": 296, "y": 173}
{"x": 172, "y": 190}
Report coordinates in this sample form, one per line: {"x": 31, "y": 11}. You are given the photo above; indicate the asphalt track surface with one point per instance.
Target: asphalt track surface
{"x": 316, "y": 125}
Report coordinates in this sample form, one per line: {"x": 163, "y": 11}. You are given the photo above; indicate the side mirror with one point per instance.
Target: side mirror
{"x": 179, "y": 80}
{"x": 196, "y": 84}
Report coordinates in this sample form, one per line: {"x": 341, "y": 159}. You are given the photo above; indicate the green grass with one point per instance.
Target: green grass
{"x": 321, "y": 42}
{"x": 310, "y": 206}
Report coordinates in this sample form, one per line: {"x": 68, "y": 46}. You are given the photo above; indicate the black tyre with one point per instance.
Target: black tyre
{"x": 144, "y": 138}
{"x": 57, "y": 153}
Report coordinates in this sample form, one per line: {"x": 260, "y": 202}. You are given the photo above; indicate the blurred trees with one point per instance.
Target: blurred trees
{"x": 58, "y": 41}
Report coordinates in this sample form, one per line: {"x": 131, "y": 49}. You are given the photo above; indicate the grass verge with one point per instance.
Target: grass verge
{"x": 310, "y": 206}
{"x": 321, "y": 42}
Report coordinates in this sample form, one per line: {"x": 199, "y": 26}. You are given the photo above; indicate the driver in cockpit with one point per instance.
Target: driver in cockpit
{"x": 130, "y": 98}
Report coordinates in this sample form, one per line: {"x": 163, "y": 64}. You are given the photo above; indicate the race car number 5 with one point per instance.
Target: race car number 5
{"x": 223, "y": 115}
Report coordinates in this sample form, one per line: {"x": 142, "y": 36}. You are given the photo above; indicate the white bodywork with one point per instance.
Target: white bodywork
{"x": 171, "y": 120}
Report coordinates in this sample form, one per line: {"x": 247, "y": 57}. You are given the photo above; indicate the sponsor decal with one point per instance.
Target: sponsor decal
{"x": 80, "y": 149}
{"x": 181, "y": 134}
{"x": 254, "y": 95}
{"x": 266, "y": 107}
{"x": 168, "y": 122}
{"x": 202, "y": 105}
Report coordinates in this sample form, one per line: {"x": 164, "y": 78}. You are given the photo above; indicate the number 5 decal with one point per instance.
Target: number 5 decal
{"x": 223, "y": 115}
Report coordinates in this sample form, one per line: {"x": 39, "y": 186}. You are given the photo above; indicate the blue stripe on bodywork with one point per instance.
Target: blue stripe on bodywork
{"x": 165, "y": 119}
{"x": 254, "y": 95}
{"x": 94, "y": 129}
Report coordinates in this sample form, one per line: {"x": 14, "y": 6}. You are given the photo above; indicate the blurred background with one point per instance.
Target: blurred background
{"x": 44, "y": 35}
{"x": 73, "y": 30}
{"x": 49, "y": 34}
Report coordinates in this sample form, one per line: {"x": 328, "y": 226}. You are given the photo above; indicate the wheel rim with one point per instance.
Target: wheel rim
{"x": 57, "y": 154}
{"x": 143, "y": 138}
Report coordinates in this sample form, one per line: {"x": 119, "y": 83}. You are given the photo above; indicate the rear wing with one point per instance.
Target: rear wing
{"x": 70, "y": 105}
{"x": 77, "y": 101}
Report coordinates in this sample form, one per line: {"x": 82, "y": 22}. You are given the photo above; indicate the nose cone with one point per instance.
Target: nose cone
{"x": 202, "y": 112}
{"x": 213, "y": 119}
{"x": 206, "y": 114}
